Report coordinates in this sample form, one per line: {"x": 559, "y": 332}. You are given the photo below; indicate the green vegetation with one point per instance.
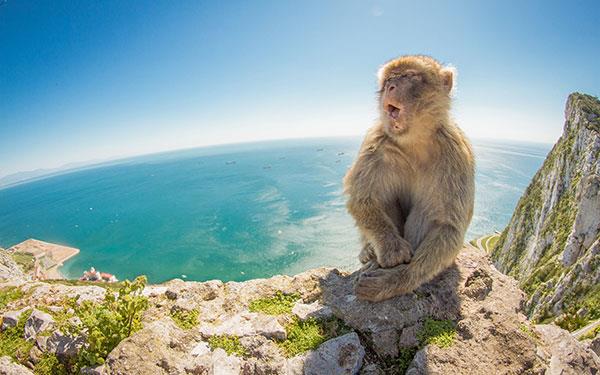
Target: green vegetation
{"x": 25, "y": 260}
{"x": 278, "y": 304}
{"x": 185, "y": 319}
{"x": 13, "y": 344}
{"x": 590, "y": 335}
{"x": 9, "y": 294}
{"x": 437, "y": 332}
{"x": 231, "y": 345}
{"x": 109, "y": 322}
{"x": 49, "y": 365}
{"x": 112, "y": 286}
{"x": 581, "y": 297}
{"x": 399, "y": 365}
{"x": 309, "y": 334}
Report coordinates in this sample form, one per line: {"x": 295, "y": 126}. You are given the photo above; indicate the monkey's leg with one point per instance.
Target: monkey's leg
{"x": 435, "y": 254}
{"x": 379, "y": 230}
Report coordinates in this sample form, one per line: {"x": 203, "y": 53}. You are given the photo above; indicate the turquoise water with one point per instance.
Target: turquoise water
{"x": 229, "y": 212}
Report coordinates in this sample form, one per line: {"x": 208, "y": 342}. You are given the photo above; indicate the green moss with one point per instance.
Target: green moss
{"x": 231, "y": 345}
{"x": 278, "y": 304}
{"x": 9, "y": 294}
{"x": 185, "y": 319}
{"x": 111, "y": 286}
{"x": 13, "y": 344}
{"x": 437, "y": 332}
{"x": 25, "y": 261}
{"x": 310, "y": 333}
{"x": 49, "y": 365}
{"x": 399, "y": 365}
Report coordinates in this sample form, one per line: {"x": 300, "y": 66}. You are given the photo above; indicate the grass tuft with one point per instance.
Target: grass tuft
{"x": 309, "y": 334}
{"x": 9, "y": 294}
{"x": 13, "y": 344}
{"x": 278, "y": 304}
{"x": 185, "y": 319}
{"x": 437, "y": 332}
{"x": 231, "y": 345}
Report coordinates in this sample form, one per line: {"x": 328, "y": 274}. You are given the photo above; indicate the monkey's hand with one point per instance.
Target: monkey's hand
{"x": 379, "y": 284}
{"x": 366, "y": 254}
{"x": 393, "y": 251}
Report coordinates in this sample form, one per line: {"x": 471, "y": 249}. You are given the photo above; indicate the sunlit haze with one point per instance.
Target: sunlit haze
{"x": 93, "y": 80}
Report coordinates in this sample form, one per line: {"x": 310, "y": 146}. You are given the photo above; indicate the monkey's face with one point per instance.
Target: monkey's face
{"x": 411, "y": 89}
{"x": 399, "y": 97}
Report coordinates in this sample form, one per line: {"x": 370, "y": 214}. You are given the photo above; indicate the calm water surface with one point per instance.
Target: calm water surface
{"x": 229, "y": 212}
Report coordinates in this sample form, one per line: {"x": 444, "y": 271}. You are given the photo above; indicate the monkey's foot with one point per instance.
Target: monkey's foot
{"x": 381, "y": 284}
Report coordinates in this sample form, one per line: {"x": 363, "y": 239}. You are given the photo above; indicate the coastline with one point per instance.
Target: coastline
{"x": 47, "y": 257}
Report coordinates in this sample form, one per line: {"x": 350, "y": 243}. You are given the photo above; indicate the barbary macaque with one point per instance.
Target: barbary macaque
{"x": 411, "y": 189}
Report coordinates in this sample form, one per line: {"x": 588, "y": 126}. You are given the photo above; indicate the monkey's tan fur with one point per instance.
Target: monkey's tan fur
{"x": 411, "y": 189}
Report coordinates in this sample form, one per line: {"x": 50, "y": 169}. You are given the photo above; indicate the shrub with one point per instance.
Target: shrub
{"x": 9, "y": 294}
{"x": 107, "y": 323}
{"x": 13, "y": 344}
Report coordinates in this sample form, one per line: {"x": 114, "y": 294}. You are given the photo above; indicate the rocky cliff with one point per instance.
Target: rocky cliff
{"x": 466, "y": 321}
{"x": 551, "y": 244}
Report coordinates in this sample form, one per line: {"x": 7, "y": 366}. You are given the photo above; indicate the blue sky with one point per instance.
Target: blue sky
{"x": 85, "y": 80}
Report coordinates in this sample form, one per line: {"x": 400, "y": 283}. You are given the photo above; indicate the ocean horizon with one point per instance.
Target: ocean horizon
{"x": 229, "y": 212}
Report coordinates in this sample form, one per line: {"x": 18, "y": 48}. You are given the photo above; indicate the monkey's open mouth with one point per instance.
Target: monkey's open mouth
{"x": 393, "y": 111}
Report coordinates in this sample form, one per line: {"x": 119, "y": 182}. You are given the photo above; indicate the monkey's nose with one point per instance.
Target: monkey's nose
{"x": 391, "y": 88}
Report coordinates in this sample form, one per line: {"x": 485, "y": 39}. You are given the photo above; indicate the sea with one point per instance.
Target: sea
{"x": 232, "y": 212}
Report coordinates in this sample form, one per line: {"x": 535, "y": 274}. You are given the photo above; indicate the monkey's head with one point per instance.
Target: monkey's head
{"x": 413, "y": 92}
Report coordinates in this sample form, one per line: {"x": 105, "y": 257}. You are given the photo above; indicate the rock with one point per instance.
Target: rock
{"x": 99, "y": 370}
{"x": 295, "y": 365}
{"x": 224, "y": 364}
{"x": 247, "y": 324}
{"x": 9, "y": 270}
{"x": 11, "y": 318}
{"x": 595, "y": 345}
{"x": 8, "y": 367}
{"x": 312, "y": 310}
{"x": 159, "y": 348}
{"x": 568, "y": 356}
{"x": 38, "y": 321}
{"x": 342, "y": 355}
{"x": 200, "y": 349}
{"x": 64, "y": 346}
{"x": 264, "y": 357}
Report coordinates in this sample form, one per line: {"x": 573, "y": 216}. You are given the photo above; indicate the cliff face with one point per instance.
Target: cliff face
{"x": 551, "y": 244}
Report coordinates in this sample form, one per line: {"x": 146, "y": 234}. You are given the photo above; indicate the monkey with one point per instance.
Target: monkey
{"x": 411, "y": 188}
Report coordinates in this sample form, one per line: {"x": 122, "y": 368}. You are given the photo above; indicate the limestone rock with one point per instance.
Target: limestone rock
{"x": 9, "y": 270}
{"x": 342, "y": 355}
{"x": 8, "y": 367}
{"x": 311, "y": 310}
{"x": 568, "y": 356}
{"x": 38, "y": 321}
{"x": 247, "y": 324}
{"x": 11, "y": 318}
{"x": 552, "y": 243}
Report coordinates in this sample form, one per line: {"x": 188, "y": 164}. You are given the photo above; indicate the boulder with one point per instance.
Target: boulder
{"x": 38, "y": 321}
{"x": 247, "y": 324}
{"x": 340, "y": 356}
{"x": 11, "y": 318}
{"x": 8, "y": 367}
{"x": 567, "y": 355}
{"x": 311, "y": 310}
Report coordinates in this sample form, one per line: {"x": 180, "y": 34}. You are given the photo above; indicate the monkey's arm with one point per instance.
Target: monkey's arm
{"x": 367, "y": 204}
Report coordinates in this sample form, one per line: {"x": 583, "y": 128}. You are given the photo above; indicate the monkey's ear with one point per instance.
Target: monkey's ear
{"x": 381, "y": 74}
{"x": 448, "y": 77}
